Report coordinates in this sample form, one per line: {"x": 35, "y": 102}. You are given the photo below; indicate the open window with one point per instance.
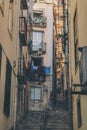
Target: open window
{"x": 39, "y": 19}
{"x": 37, "y": 61}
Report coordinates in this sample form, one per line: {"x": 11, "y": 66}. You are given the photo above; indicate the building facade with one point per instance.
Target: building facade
{"x": 26, "y": 43}
{"x": 9, "y": 41}
{"x": 60, "y": 58}
{"x": 13, "y": 51}
{"x": 78, "y": 59}
{"x": 40, "y": 68}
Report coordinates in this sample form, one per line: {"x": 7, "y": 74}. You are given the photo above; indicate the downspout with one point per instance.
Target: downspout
{"x": 70, "y": 85}
{"x": 54, "y": 70}
{"x": 17, "y": 5}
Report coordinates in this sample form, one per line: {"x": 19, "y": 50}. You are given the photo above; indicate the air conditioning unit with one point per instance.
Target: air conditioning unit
{"x": 83, "y": 66}
{"x": 36, "y": 20}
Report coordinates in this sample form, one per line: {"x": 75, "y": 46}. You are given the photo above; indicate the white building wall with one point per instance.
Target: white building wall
{"x": 48, "y": 57}
{"x": 48, "y": 12}
{"x": 49, "y": 37}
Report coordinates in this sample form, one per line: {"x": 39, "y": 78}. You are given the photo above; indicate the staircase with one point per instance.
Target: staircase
{"x": 59, "y": 120}
{"x": 46, "y": 120}
{"x": 32, "y": 121}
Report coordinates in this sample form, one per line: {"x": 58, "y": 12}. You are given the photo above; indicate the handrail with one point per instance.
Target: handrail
{"x": 45, "y": 120}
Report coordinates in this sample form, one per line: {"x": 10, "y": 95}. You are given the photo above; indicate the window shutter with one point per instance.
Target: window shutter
{"x": 83, "y": 66}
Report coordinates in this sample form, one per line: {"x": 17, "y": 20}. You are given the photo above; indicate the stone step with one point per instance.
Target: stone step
{"x": 31, "y": 127}
{"x": 27, "y": 127}
{"x": 59, "y": 117}
{"x": 57, "y": 120}
{"x": 59, "y": 128}
{"x": 32, "y": 121}
{"x": 58, "y": 125}
{"x": 60, "y": 113}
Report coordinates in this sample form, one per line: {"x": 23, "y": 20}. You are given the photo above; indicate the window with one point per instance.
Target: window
{"x": 75, "y": 26}
{"x": 37, "y": 14}
{"x": 10, "y": 19}
{"x": 60, "y": 2}
{"x": 79, "y": 113}
{"x": 37, "y": 41}
{"x": 35, "y": 93}
{"x": 7, "y": 89}
{"x": 0, "y": 58}
{"x": 37, "y": 61}
{"x": 39, "y": 19}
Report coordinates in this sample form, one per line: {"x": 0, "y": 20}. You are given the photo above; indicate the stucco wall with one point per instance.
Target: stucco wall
{"x": 9, "y": 51}
{"x": 82, "y": 41}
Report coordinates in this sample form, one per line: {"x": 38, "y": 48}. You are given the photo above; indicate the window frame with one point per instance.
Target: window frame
{"x": 33, "y": 61}
{"x": 7, "y": 94}
{"x": 76, "y": 40}
{"x": 10, "y": 19}
{"x": 60, "y": 2}
{"x": 33, "y": 89}
{"x": 37, "y": 41}
{"x": 79, "y": 117}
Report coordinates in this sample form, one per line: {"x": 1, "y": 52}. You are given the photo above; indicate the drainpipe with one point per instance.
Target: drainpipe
{"x": 69, "y": 65}
{"x": 15, "y": 105}
{"x": 54, "y": 73}
{"x": 17, "y": 3}
{"x": 16, "y": 88}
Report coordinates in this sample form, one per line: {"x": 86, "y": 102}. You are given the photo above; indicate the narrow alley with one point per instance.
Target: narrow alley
{"x": 58, "y": 118}
{"x": 43, "y": 65}
{"x": 48, "y": 120}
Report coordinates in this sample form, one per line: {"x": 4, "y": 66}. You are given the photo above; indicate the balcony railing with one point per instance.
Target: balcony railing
{"x": 36, "y": 74}
{"x": 21, "y": 71}
{"x": 24, "y": 4}
{"x": 37, "y": 47}
{"x": 40, "y": 21}
{"x": 22, "y": 31}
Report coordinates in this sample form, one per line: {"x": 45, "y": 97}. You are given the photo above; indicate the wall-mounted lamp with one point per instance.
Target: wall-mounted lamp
{"x": 80, "y": 49}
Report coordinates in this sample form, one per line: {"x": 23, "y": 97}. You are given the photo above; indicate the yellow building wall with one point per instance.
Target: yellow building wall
{"x": 82, "y": 41}
{"x": 9, "y": 42}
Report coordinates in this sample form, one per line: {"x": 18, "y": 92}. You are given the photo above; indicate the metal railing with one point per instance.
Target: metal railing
{"x": 36, "y": 46}
{"x": 40, "y": 21}
{"x": 21, "y": 71}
